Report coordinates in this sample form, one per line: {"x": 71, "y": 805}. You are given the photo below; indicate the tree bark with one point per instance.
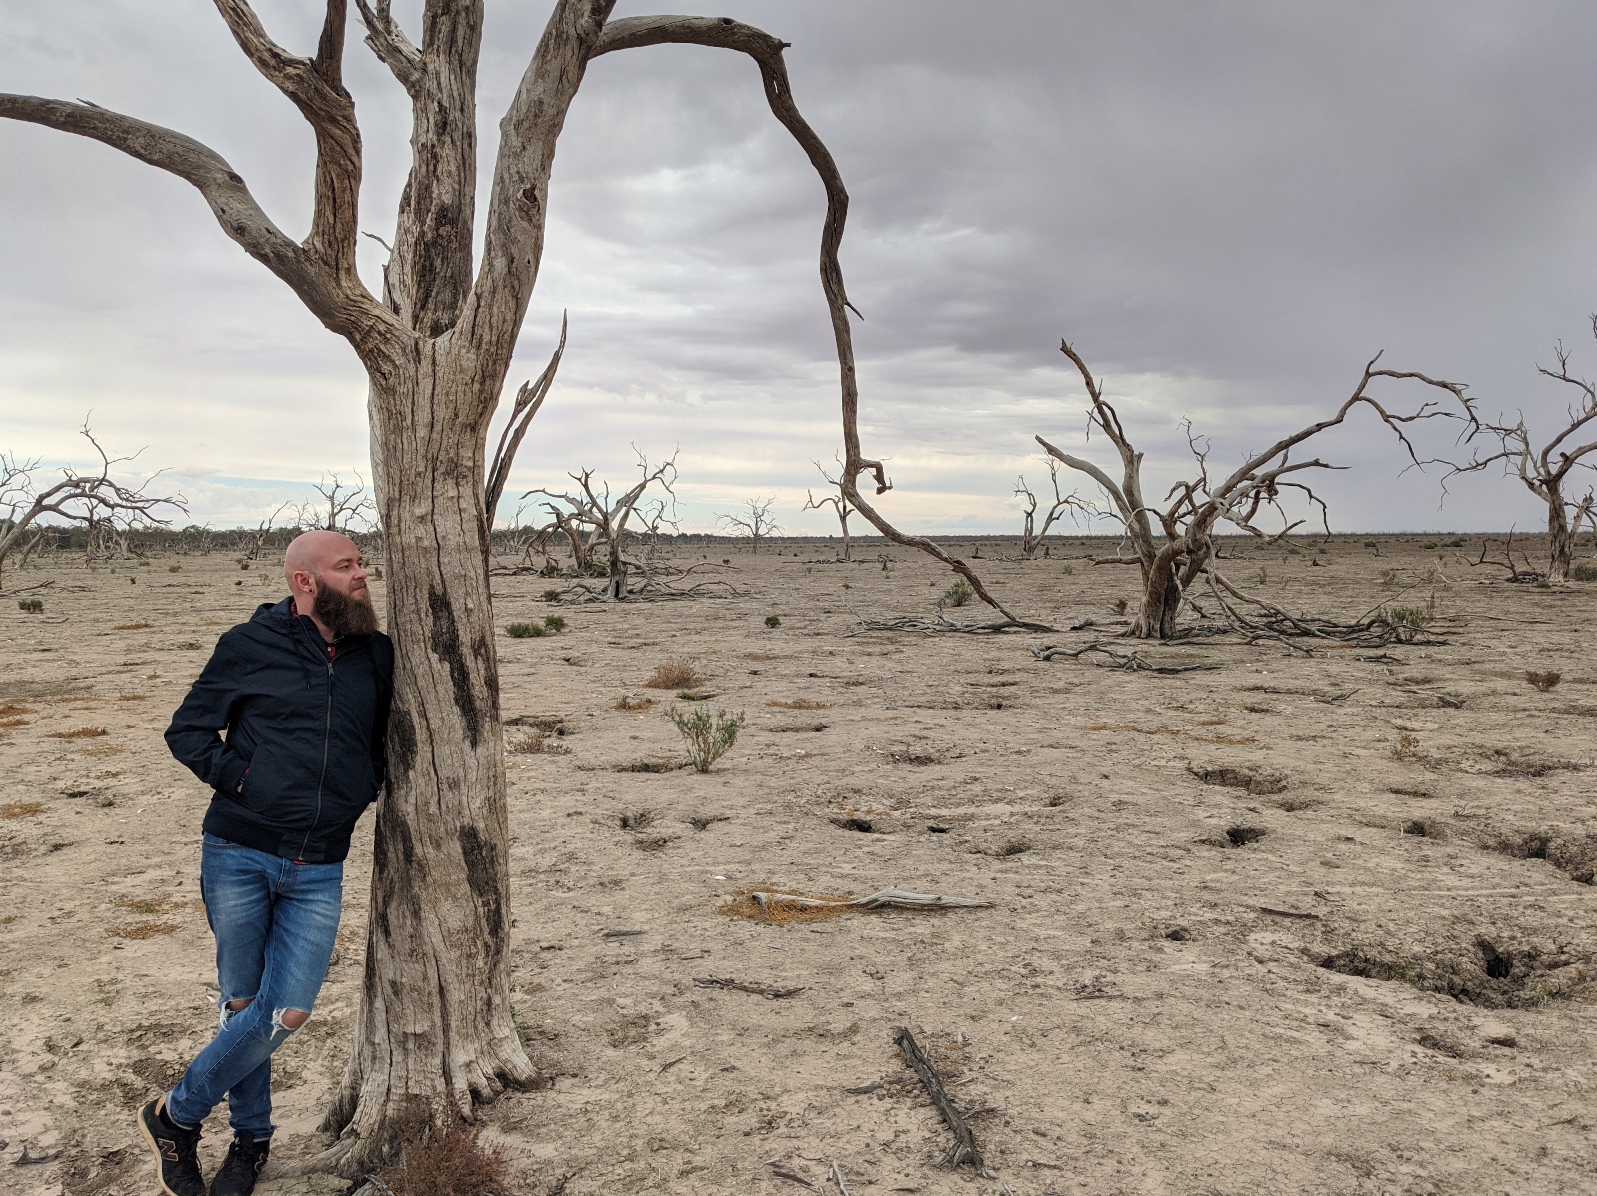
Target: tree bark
{"x": 1560, "y": 539}
{"x": 434, "y": 1030}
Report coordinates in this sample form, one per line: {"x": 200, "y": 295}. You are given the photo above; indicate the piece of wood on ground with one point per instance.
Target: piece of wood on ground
{"x": 964, "y": 1149}
{"x": 889, "y": 897}
{"x": 769, "y": 992}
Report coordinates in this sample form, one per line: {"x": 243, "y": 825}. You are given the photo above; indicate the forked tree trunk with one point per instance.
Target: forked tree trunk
{"x": 439, "y": 875}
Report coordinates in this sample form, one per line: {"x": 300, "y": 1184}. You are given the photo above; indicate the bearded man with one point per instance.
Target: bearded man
{"x": 302, "y": 692}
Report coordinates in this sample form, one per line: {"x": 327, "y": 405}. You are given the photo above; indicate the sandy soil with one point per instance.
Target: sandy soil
{"x": 1419, "y": 1016}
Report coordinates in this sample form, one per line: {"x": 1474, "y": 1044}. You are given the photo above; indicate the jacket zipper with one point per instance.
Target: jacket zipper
{"x": 327, "y": 738}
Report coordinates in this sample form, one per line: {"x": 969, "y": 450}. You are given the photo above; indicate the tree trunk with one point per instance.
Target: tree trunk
{"x": 1161, "y": 597}
{"x": 1560, "y": 540}
{"x": 434, "y": 1029}
{"x": 848, "y": 548}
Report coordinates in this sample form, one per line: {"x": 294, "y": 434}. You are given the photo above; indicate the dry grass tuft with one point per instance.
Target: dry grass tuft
{"x": 14, "y": 707}
{"x": 133, "y": 697}
{"x": 536, "y": 743}
{"x": 12, "y": 723}
{"x": 449, "y": 1162}
{"x": 800, "y": 704}
{"x": 1407, "y": 746}
{"x": 143, "y": 930}
{"x": 1543, "y": 681}
{"x": 79, "y": 733}
{"x": 132, "y": 626}
{"x": 677, "y": 673}
{"x": 626, "y": 702}
{"x": 152, "y": 905}
{"x": 22, "y": 809}
{"x": 741, "y": 904}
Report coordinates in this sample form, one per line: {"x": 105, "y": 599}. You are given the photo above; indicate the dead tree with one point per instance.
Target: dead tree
{"x": 755, "y": 523}
{"x": 839, "y": 504}
{"x": 1031, "y": 536}
{"x": 434, "y": 1029}
{"x": 1546, "y": 472}
{"x": 256, "y": 540}
{"x": 606, "y": 516}
{"x": 337, "y": 506}
{"x": 1183, "y": 548}
{"x": 105, "y": 507}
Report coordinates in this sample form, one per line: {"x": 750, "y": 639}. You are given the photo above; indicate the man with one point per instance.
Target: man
{"x": 302, "y": 691}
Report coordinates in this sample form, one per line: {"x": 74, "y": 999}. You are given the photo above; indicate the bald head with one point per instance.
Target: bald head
{"x": 317, "y": 553}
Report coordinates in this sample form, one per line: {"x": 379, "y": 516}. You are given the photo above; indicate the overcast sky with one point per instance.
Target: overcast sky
{"x": 1227, "y": 207}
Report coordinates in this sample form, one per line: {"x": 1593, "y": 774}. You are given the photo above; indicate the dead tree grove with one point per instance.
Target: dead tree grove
{"x": 1547, "y": 472}
{"x": 605, "y": 516}
{"x": 1182, "y": 549}
{"x": 434, "y": 1031}
{"x": 109, "y": 509}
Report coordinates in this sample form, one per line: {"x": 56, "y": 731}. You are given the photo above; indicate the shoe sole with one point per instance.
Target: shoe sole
{"x": 155, "y": 1151}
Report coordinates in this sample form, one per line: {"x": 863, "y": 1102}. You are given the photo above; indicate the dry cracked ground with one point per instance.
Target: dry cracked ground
{"x": 1318, "y": 924}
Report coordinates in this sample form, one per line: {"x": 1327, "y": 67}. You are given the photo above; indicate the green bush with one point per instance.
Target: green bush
{"x": 174, "y": 568}
{"x": 551, "y": 595}
{"x": 1583, "y": 573}
{"x": 32, "y": 606}
{"x": 708, "y": 738}
{"x": 554, "y": 624}
{"x": 957, "y": 594}
{"x": 1118, "y": 606}
{"x": 1407, "y": 622}
{"x": 772, "y": 621}
{"x": 522, "y": 631}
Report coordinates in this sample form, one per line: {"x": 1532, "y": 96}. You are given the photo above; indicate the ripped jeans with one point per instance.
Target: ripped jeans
{"x": 275, "y": 922}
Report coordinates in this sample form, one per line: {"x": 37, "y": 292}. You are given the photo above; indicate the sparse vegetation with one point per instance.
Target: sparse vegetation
{"x": 1407, "y": 746}
{"x": 551, "y": 595}
{"x": 174, "y": 568}
{"x": 1118, "y": 606}
{"x": 677, "y": 673}
{"x": 554, "y": 624}
{"x": 1583, "y": 573}
{"x": 773, "y": 621}
{"x": 708, "y": 738}
{"x": 1543, "y": 681}
{"x": 78, "y": 733}
{"x": 448, "y": 1162}
{"x": 537, "y": 742}
{"x": 31, "y": 606}
{"x": 1407, "y": 622}
{"x": 799, "y": 704}
{"x": 957, "y": 594}
{"x": 628, "y": 704}
{"x": 522, "y": 631}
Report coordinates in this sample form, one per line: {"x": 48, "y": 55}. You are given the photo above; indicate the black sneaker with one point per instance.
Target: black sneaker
{"x": 244, "y": 1161}
{"x": 177, "y": 1169}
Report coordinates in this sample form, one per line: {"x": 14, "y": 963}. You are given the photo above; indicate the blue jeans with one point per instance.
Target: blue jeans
{"x": 275, "y": 922}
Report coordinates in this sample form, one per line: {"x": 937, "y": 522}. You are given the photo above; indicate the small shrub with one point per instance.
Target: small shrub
{"x": 1294, "y": 552}
{"x": 551, "y": 595}
{"x": 1371, "y": 544}
{"x": 1543, "y": 681}
{"x": 1454, "y": 544}
{"x": 192, "y": 646}
{"x": 708, "y": 738}
{"x": 773, "y": 621}
{"x": 554, "y": 624}
{"x": 1583, "y": 573}
{"x": 523, "y": 631}
{"x": 677, "y": 673}
{"x": 78, "y": 733}
{"x": 244, "y": 565}
{"x": 143, "y": 930}
{"x": 957, "y": 594}
{"x": 1406, "y": 622}
{"x": 1068, "y": 570}
{"x": 1407, "y": 746}
{"x": 174, "y": 568}
{"x": 1544, "y": 585}
{"x": 694, "y": 695}
{"x": 31, "y": 606}
{"x": 1118, "y": 606}
{"x": 627, "y": 703}
{"x": 1264, "y": 576}
{"x": 636, "y": 820}
{"x": 1388, "y": 577}
{"x": 448, "y": 1162}
{"x": 143, "y": 564}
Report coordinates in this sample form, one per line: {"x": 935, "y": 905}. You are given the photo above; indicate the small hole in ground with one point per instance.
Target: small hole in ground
{"x": 937, "y": 830}
{"x": 1498, "y": 963}
{"x": 1240, "y": 836}
{"x": 1178, "y": 934}
{"x": 863, "y": 825}
{"x": 1420, "y": 827}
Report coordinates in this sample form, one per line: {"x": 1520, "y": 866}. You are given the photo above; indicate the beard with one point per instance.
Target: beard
{"x": 344, "y": 614}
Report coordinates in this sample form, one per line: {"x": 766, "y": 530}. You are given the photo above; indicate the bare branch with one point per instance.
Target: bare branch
{"x": 316, "y": 87}
{"x": 528, "y": 400}
{"x": 388, "y": 41}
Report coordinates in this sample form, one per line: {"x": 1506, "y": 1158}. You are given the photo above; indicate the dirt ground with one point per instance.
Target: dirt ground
{"x": 1371, "y": 973}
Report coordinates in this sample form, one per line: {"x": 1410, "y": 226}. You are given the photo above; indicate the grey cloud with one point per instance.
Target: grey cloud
{"x": 1228, "y": 207}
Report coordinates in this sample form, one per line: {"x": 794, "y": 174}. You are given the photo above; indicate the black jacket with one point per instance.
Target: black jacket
{"x": 305, "y": 734}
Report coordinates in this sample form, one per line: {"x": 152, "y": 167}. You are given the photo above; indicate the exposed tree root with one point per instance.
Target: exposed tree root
{"x": 942, "y": 623}
{"x": 1130, "y": 662}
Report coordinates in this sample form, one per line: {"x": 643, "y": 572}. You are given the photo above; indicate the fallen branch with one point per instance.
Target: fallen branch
{"x": 1131, "y": 662}
{"x": 835, "y": 1173}
{"x": 1288, "y": 913}
{"x": 942, "y": 623}
{"x": 888, "y": 898}
{"x": 759, "y": 990}
{"x": 964, "y": 1148}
